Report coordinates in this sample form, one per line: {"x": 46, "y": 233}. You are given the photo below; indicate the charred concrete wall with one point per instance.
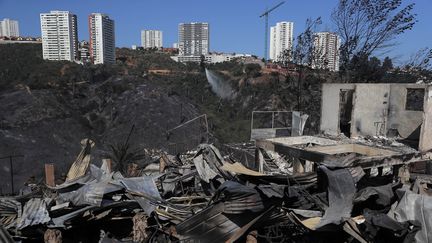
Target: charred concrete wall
{"x": 426, "y": 129}
{"x": 370, "y": 111}
{"x": 380, "y": 110}
{"x": 330, "y": 106}
{"x": 405, "y": 121}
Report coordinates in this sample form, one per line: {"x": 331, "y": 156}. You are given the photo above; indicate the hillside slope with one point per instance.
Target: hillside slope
{"x": 48, "y": 107}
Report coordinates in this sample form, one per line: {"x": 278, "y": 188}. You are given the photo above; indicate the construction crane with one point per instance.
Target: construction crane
{"x": 266, "y": 14}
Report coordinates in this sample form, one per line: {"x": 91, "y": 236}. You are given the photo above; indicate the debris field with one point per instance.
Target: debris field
{"x": 298, "y": 189}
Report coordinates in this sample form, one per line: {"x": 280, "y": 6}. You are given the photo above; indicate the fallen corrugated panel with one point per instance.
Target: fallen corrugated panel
{"x": 341, "y": 191}
{"x": 276, "y": 164}
{"x": 145, "y": 191}
{"x": 240, "y": 232}
{"x": 211, "y": 225}
{"x": 272, "y": 190}
{"x": 240, "y": 169}
{"x": 10, "y": 210}
{"x": 209, "y": 164}
{"x": 80, "y": 165}
{"x": 5, "y": 237}
{"x": 106, "y": 166}
{"x": 91, "y": 193}
{"x": 204, "y": 170}
{"x": 380, "y": 225}
{"x": 351, "y": 228}
{"x": 235, "y": 206}
{"x": 35, "y": 212}
{"x": 306, "y": 213}
{"x": 238, "y": 198}
{"x": 94, "y": 173}
{"x": 203, "y": 198}
{"x": 382, "y": 194}
{"x": 61, "y": 222}
{"x": 311, "y": 223}
{"x": 302, "y": 179}
{"x": 60, "y": 206}
{"x": 414, "y": 207}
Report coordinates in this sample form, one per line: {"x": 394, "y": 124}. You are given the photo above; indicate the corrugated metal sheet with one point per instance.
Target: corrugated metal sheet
{"x": 238, "y": 198}
{"x": 237, "y": 206}
{"x": 82, "y": 162}
{"x": 91, "y": 193}
{"x": 60, "y": 221}
{"x": 5, "y": 236}
{"x": 240, "y": 169}
{"x": 35, "y": 212}
{"x": 146, "y": 188}
{"x": 210, "y": 225}
{"x": 10, "y": 210}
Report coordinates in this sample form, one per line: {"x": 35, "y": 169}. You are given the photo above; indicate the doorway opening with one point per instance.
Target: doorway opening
{"x": 345, "y": 111}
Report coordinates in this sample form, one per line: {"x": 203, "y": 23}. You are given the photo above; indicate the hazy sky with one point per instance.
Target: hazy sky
{"x": 235, "y": 25}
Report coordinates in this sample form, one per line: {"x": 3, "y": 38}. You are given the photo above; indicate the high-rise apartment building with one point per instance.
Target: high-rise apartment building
{"x": 193, "y": 39}
{"x": 281, "y": 39}
{"x": 151, "y": 38}
{"x": 326, "y": 51}
{"x": 9, "y": 28}
{"x": 59, "y": 35}
{"x": 102, "y": 39}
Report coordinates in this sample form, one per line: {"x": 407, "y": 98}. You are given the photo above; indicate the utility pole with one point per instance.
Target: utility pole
{"x": 10, "y": 157}
{"x": 265, "y": 15}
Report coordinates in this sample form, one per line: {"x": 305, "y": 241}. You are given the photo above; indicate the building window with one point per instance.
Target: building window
{"x": 415, "y": 99}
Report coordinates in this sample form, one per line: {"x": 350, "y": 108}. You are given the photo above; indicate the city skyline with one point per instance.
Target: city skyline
{"x": 236, "y": 27}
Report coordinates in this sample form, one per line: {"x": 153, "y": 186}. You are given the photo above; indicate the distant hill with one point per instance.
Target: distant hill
{"x": 47, "y": 107}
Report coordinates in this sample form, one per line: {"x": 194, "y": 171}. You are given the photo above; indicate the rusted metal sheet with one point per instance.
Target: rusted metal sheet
{"x": 82, "y": 162}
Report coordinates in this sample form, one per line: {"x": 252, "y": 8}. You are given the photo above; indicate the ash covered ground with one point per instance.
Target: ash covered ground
{"x": 46, "y": 125}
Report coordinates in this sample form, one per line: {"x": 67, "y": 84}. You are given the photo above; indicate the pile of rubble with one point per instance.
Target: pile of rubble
{"x": 203, "y": 196}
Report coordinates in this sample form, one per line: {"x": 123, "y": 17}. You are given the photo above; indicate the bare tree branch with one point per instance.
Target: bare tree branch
{"x": 366, "y": 26}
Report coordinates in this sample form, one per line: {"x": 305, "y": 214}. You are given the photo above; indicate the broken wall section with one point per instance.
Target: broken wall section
{"x": 379, "y": 110}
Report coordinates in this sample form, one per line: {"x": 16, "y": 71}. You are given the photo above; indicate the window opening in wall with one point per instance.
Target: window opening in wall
{"x": 415, "y": 99}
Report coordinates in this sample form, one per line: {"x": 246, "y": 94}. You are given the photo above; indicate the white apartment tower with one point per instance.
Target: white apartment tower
{"x": 281, "y": 39}
{"x": 9, "y": 28}
{"x": 193, "y": 39}
{"x": 151, "y": 38}
{"x": 326, "y": 51}
{"x": 59, "y": 35}
{"x": 102, "y": 39}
